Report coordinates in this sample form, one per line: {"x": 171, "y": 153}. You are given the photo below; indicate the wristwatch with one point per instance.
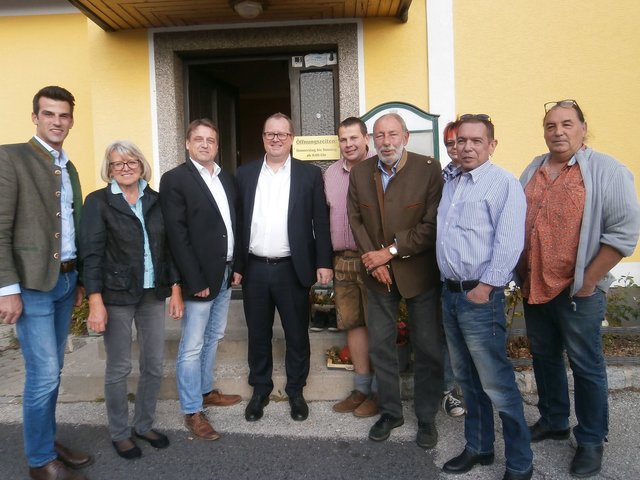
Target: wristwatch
{"x": 393, "y": 250}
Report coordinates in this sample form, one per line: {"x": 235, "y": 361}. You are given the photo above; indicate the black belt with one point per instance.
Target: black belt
{"x": 68, "y": 266}
{"x": 460, "y": 286}
{"x": 269, "y": 259}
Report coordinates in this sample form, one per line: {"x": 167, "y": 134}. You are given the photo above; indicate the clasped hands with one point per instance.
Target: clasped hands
{"x": 375, "y": 259}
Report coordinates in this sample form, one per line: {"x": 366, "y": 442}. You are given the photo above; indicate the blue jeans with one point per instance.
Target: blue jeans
{"x": 553, "y": 327}
{"x": 449, "y": 377}
{"x": 42, "y": 331}
{"x": 476, "y": 336}
{"x": 203, "y": 327}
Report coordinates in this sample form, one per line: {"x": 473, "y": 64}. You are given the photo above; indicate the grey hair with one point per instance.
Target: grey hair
{"x": 126, "y": 149}
{"x": 403, "y": 124}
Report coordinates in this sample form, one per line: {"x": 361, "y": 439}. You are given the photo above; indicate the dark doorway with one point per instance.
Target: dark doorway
{"x": 238, "y": 95}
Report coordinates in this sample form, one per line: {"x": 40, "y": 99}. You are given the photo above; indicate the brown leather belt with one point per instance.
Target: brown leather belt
{"x": 68, "y": 266}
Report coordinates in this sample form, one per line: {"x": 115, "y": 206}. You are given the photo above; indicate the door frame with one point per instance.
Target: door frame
{"x": 171, "y": 48}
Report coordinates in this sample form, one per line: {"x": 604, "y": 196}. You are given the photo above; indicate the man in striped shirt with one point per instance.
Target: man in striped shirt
{"x": 479, "y": 239}
{"x": 350, "y": 291}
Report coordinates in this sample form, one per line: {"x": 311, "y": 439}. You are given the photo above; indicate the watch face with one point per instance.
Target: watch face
{"x": 393, "y": 251}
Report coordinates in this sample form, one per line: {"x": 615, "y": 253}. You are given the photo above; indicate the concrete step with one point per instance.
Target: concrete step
{"x": 83, "y": 374}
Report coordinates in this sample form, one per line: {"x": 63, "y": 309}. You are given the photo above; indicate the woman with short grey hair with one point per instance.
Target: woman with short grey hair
{"x": 128, "y": 273}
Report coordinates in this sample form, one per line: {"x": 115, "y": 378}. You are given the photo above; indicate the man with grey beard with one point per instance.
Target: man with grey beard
{"x": 392, "y": 204}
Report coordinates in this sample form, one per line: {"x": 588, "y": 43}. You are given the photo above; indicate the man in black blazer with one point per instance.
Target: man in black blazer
{"x": 286, "y": 248}
{"x": 198, "y": 201}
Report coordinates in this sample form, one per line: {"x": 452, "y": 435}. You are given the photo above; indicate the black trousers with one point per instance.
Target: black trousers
{"x": 265, "y": 288}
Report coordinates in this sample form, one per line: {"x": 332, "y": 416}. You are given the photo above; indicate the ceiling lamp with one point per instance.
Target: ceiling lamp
{"x": 247, "y": 8}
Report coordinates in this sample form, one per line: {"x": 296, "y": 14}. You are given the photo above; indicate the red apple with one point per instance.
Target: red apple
{"x": 345, "y": 355}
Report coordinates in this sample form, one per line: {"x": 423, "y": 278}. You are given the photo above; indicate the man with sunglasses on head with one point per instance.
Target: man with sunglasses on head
{"x": 286, "y": 248}
{"x": 40, "y": 207}
{"x": 480, "y": 238}
{"x": 582, "y": 218}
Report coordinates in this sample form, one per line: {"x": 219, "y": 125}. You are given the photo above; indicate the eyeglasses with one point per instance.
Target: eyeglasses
{"x": 483, "y": 117}
{"x": 568, "y": 103}
{"x": 450, "y": 143}
{"x": 118, "y": 166}
{"x": 282, "y": 136}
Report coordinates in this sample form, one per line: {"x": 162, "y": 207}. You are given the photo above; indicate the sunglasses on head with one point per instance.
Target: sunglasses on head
{"x": 483, "y": 117}
{"x": 568, "y": 103}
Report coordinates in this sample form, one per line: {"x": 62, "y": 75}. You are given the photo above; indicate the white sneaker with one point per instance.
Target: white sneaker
{"x": 452, "y": 405}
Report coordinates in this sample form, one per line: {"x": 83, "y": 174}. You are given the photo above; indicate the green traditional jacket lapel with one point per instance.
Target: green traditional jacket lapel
{"x": 73, "y": 177}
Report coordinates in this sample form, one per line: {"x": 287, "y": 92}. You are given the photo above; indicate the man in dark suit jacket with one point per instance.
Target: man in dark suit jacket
{"x": 392, "y": 204}
{"x": 40, "y": 208}
{"x": 286, "y": 248}
{"x": 198, "y": 201}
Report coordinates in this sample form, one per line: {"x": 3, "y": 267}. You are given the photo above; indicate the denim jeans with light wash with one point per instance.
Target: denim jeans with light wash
{"x": 573, "y": 324}
{"x": 449, "y": 377}
{"x": 203, "y": 327}
{"x": 42, "y": 331}
{"x": 476, "y": 336}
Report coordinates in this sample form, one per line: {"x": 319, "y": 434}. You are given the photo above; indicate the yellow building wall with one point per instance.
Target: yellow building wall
{"x": 395, "y": 55}
{"x": 512, "y": 57}
{"x": 108, "y": 74}
{"x": 37, "y": 51}
{"x": 121, "y": 101}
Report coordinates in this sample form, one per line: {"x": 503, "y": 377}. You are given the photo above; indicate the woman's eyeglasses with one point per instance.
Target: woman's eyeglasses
{"x": 118, "y": 166}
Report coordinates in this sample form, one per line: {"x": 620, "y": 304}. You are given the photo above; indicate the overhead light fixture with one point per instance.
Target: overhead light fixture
{"x": 247, "y": 8}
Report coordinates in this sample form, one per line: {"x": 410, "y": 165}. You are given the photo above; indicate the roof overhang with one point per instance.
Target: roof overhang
{"x": 112, "y": 15}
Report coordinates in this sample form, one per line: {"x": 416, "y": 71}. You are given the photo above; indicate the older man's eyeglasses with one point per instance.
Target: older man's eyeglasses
{"x": 568, "y": 103}
{"x": 282, "y": 136}
{"x": 119, "y": 166}
{"x": 483, "y": 117}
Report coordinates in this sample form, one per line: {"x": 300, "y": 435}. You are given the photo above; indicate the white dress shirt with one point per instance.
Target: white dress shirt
{"x": 269, "y": 232}
{"x": 217, "y": 191}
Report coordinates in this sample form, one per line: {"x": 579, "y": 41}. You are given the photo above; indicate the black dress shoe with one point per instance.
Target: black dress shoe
{"x": 382, "y": 428}
{"x": 587, "y": 461}
{"x": 299, "y": 408}
{"x": 541, "y": 432}
{"x": 466, "y": 461}
{"x": 72, "y": 459}
{"x": 518, "y": 476}
{"x": 155, "y": 439}
{"x": 255, "y": 407}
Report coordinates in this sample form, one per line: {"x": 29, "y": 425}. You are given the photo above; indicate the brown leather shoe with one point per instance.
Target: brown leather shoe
{"x": 200, "y": 426}
{"x": 350, "y": 403}
{"x": 217, "y": 399}
{"x": 368, "y": 408}
{"x": 72, "y": 459}
{"x": 54, "y": 470}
